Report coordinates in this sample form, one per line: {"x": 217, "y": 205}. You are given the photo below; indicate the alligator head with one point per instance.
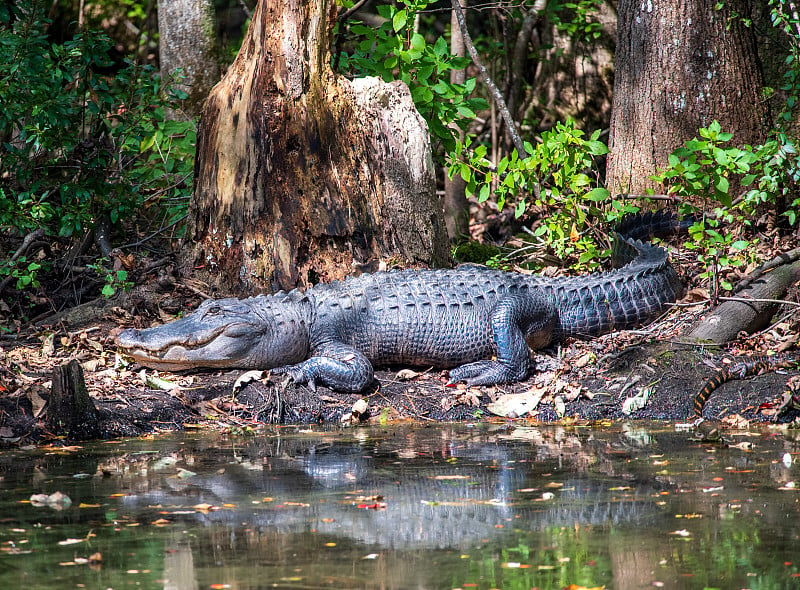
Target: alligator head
{"x": 255, "y": 333}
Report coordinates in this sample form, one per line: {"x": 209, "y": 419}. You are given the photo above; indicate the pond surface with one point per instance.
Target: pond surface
{"x": 448, "y": 506}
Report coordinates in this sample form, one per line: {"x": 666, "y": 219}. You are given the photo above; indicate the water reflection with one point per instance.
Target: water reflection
{"x": 439, "y": 507}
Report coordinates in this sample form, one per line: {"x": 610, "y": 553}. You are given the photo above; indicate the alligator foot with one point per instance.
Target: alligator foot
{"x": 487, "y": 373}
{"x": 335, "y": 365}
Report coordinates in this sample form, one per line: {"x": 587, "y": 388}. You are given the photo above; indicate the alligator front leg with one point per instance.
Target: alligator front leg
{"x": 516, "y": 321}
{"x": 334, "y": 365}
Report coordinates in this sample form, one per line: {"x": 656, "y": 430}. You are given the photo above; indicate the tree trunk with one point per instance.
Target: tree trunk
{"x": 187, "y": 40}
{"x": 302, "y": 175}
{"x": 679, "y": 65}
{"x": 456, "y": 206}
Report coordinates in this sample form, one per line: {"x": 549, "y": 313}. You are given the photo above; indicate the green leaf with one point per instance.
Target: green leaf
{"x": 440, "y": 47}
{"x": 385, "y": 10}
{"x": 399, "y": 20}
{"x": 519, "y": 209}
{"x": 441, "y": 87}
{"x": 740, "y": 244}
{"x": 598, "y": 194}
{"x": 417, "y": 42}
{"x": 596, "y": 148}
{"x": 467, "y": 112}
{"x": 748, "y": 179}
{"x": 722, "y": 185}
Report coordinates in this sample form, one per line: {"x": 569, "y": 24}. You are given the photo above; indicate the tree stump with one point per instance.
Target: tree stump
{"x": 303, "y": 175}
{"x": 70, "y": 410}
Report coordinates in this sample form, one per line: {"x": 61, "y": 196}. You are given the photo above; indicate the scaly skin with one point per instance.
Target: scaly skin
{"x": 744, "y": 367}
{"x": 332, "y": 334}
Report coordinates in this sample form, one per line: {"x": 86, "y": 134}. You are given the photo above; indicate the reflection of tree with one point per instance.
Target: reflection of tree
{"x": 179, "y": 563}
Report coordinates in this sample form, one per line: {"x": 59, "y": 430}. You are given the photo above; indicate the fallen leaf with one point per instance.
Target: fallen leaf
{"x": 355, "y": 414}
{"x": 735, "y": 421}
{"x": 560, "y": 406}
{"x": 743, "y": 446}
{"x": 636, "y": 402}
{"x": 48, "y": 347}
{"x": 407, "y": 374}
{"x": 245, "y": 378}
{"x": 514, "y": 405}
{"x": 155, "y": 382}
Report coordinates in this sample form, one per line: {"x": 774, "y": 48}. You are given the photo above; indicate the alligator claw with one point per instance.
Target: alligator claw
{"x": 295, "y": 374}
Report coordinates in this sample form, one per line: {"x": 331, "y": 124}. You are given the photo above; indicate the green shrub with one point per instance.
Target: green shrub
{"x": 394, "y": 51}
{"x": 79, "y": 144}
{"x": 558, "y": 180}
{"x": 705, "y": 169}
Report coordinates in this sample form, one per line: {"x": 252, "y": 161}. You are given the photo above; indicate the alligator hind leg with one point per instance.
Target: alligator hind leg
{"x": 516, "y": 320}
{"x": 334, "y": 365}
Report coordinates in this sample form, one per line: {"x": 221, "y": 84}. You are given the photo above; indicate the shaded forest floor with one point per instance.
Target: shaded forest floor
{"x": 580, "y": 382}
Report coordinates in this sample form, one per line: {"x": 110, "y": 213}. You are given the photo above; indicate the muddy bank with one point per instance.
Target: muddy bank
{"x": 585, "y": 381}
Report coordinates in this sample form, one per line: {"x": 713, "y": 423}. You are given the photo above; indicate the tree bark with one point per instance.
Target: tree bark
{"x": 70, "y": 410}
{"x": 302, "y": 175}
{"x": 456, "y": 206}
{"x": 187, "y": 40}
{"x": 679, "y": 65}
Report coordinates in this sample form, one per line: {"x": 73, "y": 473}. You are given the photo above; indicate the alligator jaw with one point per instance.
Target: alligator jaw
{"x": 157, "y": 359}
{"x": 176, "y": 355}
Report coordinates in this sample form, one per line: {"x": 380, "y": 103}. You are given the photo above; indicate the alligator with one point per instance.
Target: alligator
{"x": 743, "y": 367}
{"x": 476, "y": 321}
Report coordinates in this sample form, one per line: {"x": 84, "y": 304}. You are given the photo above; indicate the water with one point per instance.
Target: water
{"x": 448, "y": 506}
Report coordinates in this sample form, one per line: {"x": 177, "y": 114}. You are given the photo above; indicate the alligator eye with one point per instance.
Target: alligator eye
{"x": 213, "y": 310}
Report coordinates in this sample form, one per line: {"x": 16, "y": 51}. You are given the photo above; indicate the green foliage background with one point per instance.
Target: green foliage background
{"x": 84, "y": 138}
{"x": 85, "y": 144}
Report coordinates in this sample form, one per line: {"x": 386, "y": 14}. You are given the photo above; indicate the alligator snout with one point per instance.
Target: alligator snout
{"x": 129, "y": 338}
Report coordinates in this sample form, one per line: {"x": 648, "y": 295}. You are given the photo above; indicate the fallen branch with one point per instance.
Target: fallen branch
{"x": 750, "y": 311}
{"x": 27, "y": 242}
{"x": 781, "y": 259}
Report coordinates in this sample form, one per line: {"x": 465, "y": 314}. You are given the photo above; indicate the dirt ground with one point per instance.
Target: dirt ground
{"x": 579, "y": 382}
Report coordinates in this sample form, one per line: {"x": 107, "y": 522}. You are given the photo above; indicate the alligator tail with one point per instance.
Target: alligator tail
{"x": 653, "y": 224}
{"x": 627, "y": 245}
